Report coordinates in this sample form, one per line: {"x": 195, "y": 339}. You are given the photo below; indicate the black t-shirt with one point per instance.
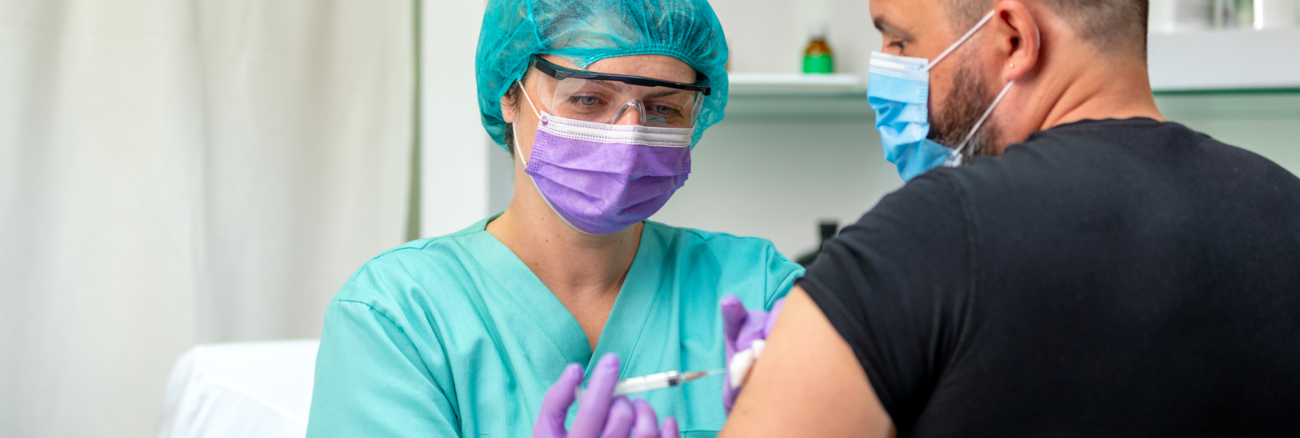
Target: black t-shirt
{"x": 1103, "y": 278}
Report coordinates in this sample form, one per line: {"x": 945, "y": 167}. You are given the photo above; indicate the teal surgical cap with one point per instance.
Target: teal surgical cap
{"x": 586, "y": 31}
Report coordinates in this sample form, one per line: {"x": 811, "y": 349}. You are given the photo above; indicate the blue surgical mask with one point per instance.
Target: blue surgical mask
{"x": 898, "y": 89}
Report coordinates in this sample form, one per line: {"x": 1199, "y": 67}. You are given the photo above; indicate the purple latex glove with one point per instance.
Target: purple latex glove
{"x": 740, "y": 329}
{"x": 601, "y": 415}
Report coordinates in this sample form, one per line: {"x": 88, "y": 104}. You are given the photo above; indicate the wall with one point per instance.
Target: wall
{"x": 455, "y": 181}
{"x": 776, "y": 176}
{"x": 1265, "y": 123}
{"x": 769, "y": 36}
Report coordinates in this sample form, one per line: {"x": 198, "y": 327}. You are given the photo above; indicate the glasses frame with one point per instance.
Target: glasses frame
{"x": 560, "y": 73}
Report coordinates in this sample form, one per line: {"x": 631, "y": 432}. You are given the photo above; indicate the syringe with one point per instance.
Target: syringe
{"x": 652, "y": 382}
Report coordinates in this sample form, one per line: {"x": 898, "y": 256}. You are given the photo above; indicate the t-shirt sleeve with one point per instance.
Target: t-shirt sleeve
{"x": 895, "y": 285}
{"x": 370, "y": 379}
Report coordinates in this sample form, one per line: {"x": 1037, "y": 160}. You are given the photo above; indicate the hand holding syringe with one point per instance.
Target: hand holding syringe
{"x": 655, "y": 381}
{"x": 744, "y": 329}
{"x": 745, "y": 335}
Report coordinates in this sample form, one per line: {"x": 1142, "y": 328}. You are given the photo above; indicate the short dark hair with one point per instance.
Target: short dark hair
{"x": 1113, "y": 26}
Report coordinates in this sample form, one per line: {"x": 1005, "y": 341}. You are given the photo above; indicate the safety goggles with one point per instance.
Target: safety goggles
{"x": 605, "y": 98}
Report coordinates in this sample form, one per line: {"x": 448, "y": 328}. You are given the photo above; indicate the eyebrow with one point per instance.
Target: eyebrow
{"x": 620, "y": 87}
{"x": 613, "y": 85}
{"x": 662, "y": 93}
{"x": 890, "y": 29}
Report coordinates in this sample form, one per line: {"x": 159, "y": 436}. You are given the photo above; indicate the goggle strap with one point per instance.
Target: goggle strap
{"x": 561, "y": 73}
{"x": 963, "y": 39}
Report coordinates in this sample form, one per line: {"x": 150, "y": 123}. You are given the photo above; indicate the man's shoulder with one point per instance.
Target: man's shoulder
{"x": 1166, "y": 144}
{"x": 1118, "y": 178}
{"x": 1115, "y": 156}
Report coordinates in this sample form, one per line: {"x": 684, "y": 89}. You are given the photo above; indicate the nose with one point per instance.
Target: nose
{"x": 631, "y": 113}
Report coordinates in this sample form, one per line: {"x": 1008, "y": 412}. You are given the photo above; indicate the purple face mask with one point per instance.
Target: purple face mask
{"x": 601, "y": 178}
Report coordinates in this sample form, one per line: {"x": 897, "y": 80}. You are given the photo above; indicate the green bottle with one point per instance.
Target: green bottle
{"x": 817, "y": 58}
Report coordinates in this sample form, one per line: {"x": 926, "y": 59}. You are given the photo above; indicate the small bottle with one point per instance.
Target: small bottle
{"x": 1225, "y": 13}
{"x": 1245, "y": 13}
{"x": 817, "y": 58}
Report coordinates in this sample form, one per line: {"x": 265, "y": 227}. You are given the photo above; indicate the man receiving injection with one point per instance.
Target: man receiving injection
{"x": 1062, "y": 262}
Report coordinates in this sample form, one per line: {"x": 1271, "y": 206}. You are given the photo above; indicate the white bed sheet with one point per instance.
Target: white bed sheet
{"x": 248, "y": 389}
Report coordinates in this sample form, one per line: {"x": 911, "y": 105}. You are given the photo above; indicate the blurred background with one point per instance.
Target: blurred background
{"x": 175, "y": 173}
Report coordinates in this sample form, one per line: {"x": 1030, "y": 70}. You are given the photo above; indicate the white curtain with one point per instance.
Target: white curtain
{"x": 175, "y": 172}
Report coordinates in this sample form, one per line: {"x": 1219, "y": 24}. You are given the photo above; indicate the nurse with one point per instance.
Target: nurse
{"x": 600, "y": 104}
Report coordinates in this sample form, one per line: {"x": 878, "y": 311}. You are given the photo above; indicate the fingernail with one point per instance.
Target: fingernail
{"x": 730, "y": 300}
{"x": 573, "y": 368}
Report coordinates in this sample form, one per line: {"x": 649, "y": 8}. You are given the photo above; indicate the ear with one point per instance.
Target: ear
{"x": 1019, "y": 39}
{"x": 509, "y": 108}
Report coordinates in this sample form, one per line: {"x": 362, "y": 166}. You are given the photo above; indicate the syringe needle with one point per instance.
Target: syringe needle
{"x": 655, "y": 381}
{"x": 692, "y": 375}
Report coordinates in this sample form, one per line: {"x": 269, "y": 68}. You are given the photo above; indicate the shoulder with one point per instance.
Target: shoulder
{"x": 1114, "y": 148}
{"x": 1092, "y": 163}
{"x": 413, "y": 266}
{"x": 934, "y": 199}
{"x": 915, "y": 241}
{"x": 693, "y": 242}
{"x": 748, "y": 267}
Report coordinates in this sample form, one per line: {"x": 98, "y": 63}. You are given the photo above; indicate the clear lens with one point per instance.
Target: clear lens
{"x": 610, "y": 101}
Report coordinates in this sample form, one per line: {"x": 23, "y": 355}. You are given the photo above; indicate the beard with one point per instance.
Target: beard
{"x": 969, "y": 98}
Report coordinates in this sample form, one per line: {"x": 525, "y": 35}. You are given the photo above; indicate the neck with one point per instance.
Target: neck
{"x": 576, "y": 267}
{"x": 1119, "y": 89}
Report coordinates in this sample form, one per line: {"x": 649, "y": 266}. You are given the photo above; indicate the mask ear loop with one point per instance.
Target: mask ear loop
{"x": 530, "y": 101}
{"x": 961, "y": 40}
{"x": 520, "y": 154}
{"x": 515, "y": 132}
{"x": 955, "y": 157}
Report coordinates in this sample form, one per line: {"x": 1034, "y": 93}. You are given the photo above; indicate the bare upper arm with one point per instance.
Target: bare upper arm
{"x": 808, "y": 383}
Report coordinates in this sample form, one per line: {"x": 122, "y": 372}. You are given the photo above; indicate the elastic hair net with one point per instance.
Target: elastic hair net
{"x": 586, "y": 31}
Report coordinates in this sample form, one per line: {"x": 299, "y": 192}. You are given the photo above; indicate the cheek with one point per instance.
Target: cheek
{"x": 525, "y": 132}
{"x": 940, "y": 91}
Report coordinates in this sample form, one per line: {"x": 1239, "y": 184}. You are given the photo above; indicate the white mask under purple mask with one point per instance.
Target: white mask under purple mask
{"x": 602, "y": 178}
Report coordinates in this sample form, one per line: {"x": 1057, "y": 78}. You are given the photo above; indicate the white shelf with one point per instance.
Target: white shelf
{"x": 1211, "y": 61}
{"x": 1224, "y": 60}
{"x": 793, "y": 84}
{"x": 794, "y": 96}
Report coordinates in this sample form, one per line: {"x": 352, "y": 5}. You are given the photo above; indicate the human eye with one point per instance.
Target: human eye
{"x": 666, "y": 111}
{"x": 900, "y": 45}
{"x": 584, "y": 105}
{"x": 584, "y": 100}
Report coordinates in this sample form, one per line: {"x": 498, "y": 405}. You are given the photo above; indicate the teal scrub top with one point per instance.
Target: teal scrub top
{"x": 455, "y": 336}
